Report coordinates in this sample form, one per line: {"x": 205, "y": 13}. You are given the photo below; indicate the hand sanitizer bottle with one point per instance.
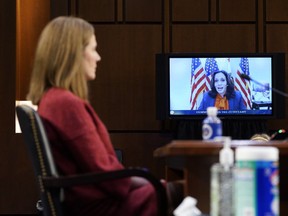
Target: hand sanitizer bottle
{"x": 222, "y": 182}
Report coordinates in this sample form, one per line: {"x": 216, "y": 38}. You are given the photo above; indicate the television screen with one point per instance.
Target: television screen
{"x": 193, "y": 82}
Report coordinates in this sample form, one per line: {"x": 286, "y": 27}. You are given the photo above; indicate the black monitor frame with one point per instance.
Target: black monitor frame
{"x": 163, "y": 89}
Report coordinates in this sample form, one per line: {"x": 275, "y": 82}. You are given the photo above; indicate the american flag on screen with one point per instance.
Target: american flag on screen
{"x": 210, "y": 67}
{"x": 198, "y": 80}
{"x": 243, "y": 85}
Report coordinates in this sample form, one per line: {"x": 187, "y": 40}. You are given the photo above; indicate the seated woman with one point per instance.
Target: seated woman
{"x": 66, "y": 59}
{"x": 222, "y": 94}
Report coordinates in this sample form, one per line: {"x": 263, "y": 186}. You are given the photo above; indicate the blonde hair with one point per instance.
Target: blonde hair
{"x": 59, "y": 56}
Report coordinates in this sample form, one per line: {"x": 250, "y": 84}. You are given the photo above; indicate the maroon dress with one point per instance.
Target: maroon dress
{"x": 80, "y": 144}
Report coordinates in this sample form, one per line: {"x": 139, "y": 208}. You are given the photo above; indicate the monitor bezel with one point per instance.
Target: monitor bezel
{"x": 163, "y": 84}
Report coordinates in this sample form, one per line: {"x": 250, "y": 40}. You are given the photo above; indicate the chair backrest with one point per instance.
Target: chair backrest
{"x": 44, "y": 167}
{"x": 41, "y": 157}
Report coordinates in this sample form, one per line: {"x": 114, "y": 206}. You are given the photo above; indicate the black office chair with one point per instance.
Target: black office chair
{"x": 51, "y": 184}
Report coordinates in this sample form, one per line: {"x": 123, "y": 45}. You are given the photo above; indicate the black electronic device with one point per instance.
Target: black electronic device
{"x": 182, "y": 79}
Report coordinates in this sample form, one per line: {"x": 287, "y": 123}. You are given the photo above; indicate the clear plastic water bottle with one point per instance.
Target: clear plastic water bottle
{"x": 212, "y": 125}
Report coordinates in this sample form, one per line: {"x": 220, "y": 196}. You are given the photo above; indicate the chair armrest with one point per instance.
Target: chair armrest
{"x": 95, "y": 178}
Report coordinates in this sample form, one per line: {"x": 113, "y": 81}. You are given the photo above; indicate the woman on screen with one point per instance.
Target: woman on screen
{"x": 222, "y": 94}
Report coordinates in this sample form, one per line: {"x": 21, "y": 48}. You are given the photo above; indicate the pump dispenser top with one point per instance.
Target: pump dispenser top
{"x": 226, "y": 157}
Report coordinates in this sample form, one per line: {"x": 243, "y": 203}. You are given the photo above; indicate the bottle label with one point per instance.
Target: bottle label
{"x": 211, "y": 130}
{"x": 256, "y": 188}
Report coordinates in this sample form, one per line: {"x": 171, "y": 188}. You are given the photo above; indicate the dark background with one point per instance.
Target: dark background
{"x": 129, "y": 34}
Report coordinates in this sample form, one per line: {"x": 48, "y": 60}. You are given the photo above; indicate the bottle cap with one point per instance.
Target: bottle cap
{"x": 257, "y": 153}
{"x": 212, "y": 111}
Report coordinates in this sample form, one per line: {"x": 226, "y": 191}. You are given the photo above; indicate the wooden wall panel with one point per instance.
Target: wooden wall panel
{"x": 97, "y": 11}
{"x": 213, "y": 38}
{"x": 276, "y": 40}
{"x": 124, "y": 91}
{"x": 190, "y": 10}
{"x": 143, "y": 10}
{"x": 235, "y": 10}
{"x": 130, "y": 33}
{"x": 17, "y": 188}
{"x": 276, "y": 10}
{"x": 59, "y": 7}
{"x": 138, "y": 149}
{"x": 32, "y": 16}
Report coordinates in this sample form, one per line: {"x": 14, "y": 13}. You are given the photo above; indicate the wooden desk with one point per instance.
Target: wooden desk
{"x": 191, "y": 160}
